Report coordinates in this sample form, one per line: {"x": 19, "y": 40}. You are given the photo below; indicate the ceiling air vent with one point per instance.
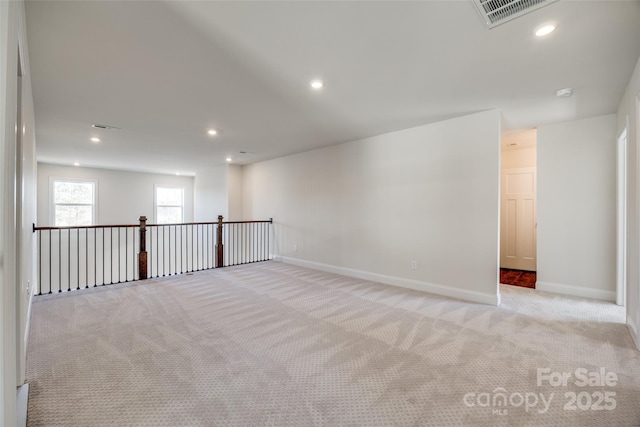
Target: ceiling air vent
{"x": 105, "y": 127}
{"x": 496, "y": 12}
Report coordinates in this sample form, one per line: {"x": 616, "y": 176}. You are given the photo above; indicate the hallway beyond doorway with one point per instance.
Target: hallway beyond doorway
{"x": 524, "y": 279}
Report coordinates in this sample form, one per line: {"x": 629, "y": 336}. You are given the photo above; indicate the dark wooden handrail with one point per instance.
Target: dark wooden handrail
{"x": 270, "y": 221}
{"x": 74, "y": 227}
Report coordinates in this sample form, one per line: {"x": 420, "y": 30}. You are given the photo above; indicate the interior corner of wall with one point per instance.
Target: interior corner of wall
{"x": 633, "y": 331}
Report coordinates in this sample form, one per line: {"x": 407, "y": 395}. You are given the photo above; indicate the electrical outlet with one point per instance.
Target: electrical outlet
{"x": 414, "y": 264}
{"x": 295, "y": 248}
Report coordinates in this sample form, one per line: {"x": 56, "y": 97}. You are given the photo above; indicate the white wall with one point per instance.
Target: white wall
{"x": 576, "y": 207}
{"x": 234, "y": 185}
{"x": 368, "y": 208}
{"x": 122, "y": 196}
{"x": 219, "y": 192}
{"x": 211, "y": 194}
{"x": 17, "y": 183}
{"x": 27, "y": 191}
{"x": 628, "y": 111}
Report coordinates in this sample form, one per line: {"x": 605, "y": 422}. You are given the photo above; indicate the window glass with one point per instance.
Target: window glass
{"x": 169, "y": 205}
{"x": 73, "y": 203}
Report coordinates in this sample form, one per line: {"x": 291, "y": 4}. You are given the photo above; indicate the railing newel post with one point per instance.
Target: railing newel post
{"x": 142, "y": 255}
{"x": 219, "y": 245}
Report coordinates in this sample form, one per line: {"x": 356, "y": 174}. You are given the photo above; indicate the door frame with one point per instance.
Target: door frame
{"x": 622, "y": 144}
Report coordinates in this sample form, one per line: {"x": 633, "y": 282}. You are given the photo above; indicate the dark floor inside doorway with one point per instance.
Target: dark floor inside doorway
{"x": 525, "y": 279}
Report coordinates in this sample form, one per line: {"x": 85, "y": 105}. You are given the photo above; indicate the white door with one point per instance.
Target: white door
{"x": 518, "y": 219}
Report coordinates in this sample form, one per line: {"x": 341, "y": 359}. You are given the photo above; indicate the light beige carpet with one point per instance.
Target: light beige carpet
{"x": 273, "y": 344}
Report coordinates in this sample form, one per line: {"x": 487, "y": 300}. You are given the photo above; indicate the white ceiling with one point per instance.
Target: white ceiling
{"x": 165, "y": 72}
{"x": 519, "y": 139}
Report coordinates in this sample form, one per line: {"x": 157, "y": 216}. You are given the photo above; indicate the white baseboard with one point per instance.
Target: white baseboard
{"x": 417, "y": 285}
{"x": 578, "y": 291}
{"x": 633, "y": 331}
{"x": 22, "y": 403}
{"x": 27, "y": 328}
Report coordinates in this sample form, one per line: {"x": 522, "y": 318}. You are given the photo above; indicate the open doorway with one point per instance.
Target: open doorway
{"x": 518, "y": 204}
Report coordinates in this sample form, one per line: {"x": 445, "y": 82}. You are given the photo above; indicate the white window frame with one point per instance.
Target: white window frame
{"x": 52, "y": 198}
{"x": 155, "y": 201}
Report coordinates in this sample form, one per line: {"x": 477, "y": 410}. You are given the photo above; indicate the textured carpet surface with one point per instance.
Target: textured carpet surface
{"x": 273, "y": 344}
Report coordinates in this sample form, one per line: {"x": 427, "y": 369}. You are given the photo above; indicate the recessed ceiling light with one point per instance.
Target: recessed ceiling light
{"x": 177, "y": 173}
{"x": 545, "y": 29}
{"x": 564, "y": 93}
{"x": 212, "y": 132}
{"x": 76, "y": 164}
{"x": 94, "y": 139}
{"x": 229, "y": 159}
{"x": 316, "y": 84}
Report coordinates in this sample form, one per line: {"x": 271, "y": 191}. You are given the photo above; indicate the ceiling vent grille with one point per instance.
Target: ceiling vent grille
{"x": 496, "y": 12}
{"x": 104, "y": 127}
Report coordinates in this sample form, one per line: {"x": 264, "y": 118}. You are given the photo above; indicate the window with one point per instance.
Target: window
{"x": 169, "y": 205}
{"x": 73, "y": 203}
